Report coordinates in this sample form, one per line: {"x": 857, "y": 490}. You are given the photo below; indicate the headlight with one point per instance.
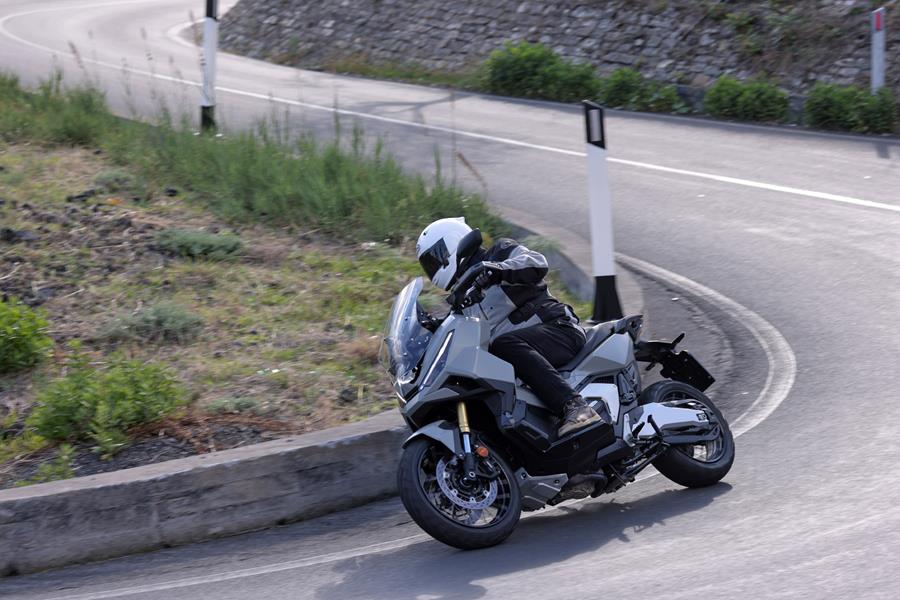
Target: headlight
{"x": 440, "y": 361}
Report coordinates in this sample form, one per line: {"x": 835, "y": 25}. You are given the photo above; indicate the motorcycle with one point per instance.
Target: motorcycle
{"x": 484, "y": 447}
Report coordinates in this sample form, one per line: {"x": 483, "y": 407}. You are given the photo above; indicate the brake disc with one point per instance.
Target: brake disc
{"x": 480, "y": 499}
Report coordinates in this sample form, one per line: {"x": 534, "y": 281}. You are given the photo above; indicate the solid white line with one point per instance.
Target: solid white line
{"x": 782, "y": 363}
{"x": 250, "y": 572}
{"x": 469, "y": 134}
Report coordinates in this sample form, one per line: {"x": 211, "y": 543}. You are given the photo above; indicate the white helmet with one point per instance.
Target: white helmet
{"x": 437, "y": 250}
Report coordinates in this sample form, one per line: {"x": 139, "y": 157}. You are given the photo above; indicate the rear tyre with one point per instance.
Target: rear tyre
{"x": 466, "y": 517}
{"x": 692, "y": 465}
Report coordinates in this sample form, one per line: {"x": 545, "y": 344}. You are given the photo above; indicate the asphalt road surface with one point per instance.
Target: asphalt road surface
{"x": 796, "y": 234}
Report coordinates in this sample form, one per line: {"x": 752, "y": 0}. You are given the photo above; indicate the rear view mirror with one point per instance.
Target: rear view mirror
{"x": 468, "y": 245}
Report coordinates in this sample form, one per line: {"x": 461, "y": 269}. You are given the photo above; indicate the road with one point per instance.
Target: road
{"x": 800, "y": 228}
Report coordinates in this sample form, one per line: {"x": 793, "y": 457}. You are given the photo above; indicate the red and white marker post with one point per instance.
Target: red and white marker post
{"x": 878, "y": 41}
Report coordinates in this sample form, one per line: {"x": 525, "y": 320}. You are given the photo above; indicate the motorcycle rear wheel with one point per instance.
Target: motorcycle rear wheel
{"x": 698, "y": 465}
{"x": 443, "y": 516}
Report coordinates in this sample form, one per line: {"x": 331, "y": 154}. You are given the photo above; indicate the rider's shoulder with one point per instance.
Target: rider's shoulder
{"x": 500, "y": 247}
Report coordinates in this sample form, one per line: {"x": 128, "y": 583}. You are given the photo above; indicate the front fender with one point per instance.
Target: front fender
{"x": 445, "y": 432}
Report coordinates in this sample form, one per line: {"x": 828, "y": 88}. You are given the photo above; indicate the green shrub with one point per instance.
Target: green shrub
{"x": 627, "y": 88}
{"x": 761, "y": 101}
{"x": 162, "y": 322}
{"x": 536, "y": 71}
{"x": 99, "y": 406}
{"x": 879, "y": 112}
{"x": 722, "y": 97}
{"x": 23, "y": 336}
{"x": 199, "y": 244}
{"x": 657, "y": 97}
{"x": 850, "y": 108}
{"x": 624, "y": 88}
{"x": 751, "y": 101}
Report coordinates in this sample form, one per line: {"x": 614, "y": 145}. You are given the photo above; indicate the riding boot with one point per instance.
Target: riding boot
{"x": 577, "y": 415}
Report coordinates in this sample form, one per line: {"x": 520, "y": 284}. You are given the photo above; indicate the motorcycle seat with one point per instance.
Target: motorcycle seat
{"x": 595, "y": 336}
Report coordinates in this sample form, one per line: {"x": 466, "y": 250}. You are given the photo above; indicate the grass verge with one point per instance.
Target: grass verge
{"x": 251, "y": 278}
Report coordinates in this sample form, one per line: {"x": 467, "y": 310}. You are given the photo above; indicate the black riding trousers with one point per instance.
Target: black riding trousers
{"x": 535, "y": 352}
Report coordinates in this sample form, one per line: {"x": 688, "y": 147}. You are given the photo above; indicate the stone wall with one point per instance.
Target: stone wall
{"x": 684, "y": 42}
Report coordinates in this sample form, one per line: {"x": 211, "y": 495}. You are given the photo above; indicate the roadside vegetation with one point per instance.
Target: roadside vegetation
{"x": 165, "y": 293}
{"x": 535, "y": 71}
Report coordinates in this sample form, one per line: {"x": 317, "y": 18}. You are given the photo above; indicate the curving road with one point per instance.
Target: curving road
{"x": 797, "y": 232}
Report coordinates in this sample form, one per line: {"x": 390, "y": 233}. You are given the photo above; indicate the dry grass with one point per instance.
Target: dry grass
{"x": 292, "y": 324}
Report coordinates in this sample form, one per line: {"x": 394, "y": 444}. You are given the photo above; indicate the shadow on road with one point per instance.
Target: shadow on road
{"x": 433, "y": 570}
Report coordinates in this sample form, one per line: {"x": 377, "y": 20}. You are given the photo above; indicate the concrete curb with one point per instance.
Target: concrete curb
{"x": 198, "y": 498}
{"x": 228, "y": 492}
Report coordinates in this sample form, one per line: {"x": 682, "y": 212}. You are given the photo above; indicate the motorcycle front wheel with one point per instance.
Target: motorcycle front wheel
{"x": 466, "y": 515}
{"x": 693, "y": 465}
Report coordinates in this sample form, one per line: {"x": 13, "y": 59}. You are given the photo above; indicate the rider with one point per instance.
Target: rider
{"x": 530, "y": 329}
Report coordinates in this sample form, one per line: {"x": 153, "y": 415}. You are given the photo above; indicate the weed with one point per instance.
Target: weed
{"x": 54, "y": 470}
{"x": 199, "y": 244}
{"x": 23, "y": 336}
{"x": 236, "y": 405}
{"x": 99, "y": 406}
{"x": 162, "y": 322}
{"x": 360, "y": 64}
{"x": 114, "y": 180}
{"x": 741, "y": 22}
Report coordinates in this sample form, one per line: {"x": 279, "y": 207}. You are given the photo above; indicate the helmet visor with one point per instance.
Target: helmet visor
{"x": 435, "y": 258}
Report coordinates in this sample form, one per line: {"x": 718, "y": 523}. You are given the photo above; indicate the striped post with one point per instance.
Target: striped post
{"x": 210, "y": 43}
{"x": 878, "y": 34}
{"x": 606, "y": 299}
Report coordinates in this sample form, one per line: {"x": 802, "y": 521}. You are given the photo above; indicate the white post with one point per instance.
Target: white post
{"x": 606, "y": 299}
{"x": 210, "y": 43}
{"x": 878, "y": 26}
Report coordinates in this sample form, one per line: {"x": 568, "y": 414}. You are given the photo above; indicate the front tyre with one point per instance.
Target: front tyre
{"x": 460, "y": 514}
{"x": 693, "y": 465}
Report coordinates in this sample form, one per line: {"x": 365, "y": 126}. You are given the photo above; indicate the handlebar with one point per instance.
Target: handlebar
{"x": 465, "y": 293}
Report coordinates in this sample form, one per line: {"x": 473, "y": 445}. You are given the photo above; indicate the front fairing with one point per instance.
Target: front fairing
{"x": 405, "y": 340}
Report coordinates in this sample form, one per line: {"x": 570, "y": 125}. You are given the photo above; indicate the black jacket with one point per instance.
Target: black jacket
{"x": 521, "y": 299}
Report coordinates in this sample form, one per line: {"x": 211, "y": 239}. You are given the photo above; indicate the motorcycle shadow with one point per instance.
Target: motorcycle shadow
{"x": 433, "y": 570}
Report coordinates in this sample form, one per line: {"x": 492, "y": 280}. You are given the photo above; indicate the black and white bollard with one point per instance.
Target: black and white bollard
{"x": 878, "y": 35}
{"x": 606, "y": 299}
{"x": 210, "y": 44}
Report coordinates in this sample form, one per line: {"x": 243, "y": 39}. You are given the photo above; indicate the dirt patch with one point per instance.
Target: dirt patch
{"x": 290, "y": 328}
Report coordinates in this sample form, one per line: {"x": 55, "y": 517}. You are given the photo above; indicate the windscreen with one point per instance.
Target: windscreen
{"x": 406, "y": 340}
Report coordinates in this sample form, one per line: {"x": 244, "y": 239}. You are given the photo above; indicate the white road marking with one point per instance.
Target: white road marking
{"x": 782, "y": 363}
{"x": 251, "y": 572}
{"x": 462, "y": 133}
{"x": 782, "y": 368}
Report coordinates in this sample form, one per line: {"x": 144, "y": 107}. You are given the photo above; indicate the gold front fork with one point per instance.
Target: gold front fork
{"x": 465, "y": 432}
{"x": 463, "y": 417}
